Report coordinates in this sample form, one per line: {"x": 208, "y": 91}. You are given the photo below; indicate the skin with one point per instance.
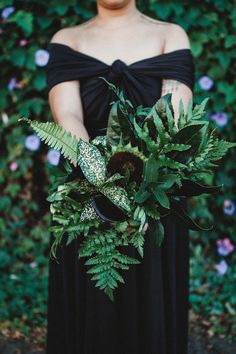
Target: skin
{"x": 132, "y": 36}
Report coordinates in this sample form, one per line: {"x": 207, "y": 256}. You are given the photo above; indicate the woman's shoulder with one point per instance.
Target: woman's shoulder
{"x": 68, "y": 35}
{"x": 176, "y": 38}
{"x": 174, "y": 35}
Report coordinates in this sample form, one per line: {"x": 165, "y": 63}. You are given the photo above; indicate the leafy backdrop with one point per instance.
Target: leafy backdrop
{"x": 26, "y": 165}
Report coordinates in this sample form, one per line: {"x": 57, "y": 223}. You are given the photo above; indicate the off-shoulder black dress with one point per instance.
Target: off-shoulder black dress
{"x": 150, "y": 311}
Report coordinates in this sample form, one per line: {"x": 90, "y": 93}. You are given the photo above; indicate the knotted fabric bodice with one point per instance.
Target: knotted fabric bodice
{"x": 140, "y": 81}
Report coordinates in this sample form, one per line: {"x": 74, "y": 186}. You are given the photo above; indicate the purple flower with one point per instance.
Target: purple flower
{"x": 13, "y": 166}
{"x": 23, "y": 42}
{"x": 53, "y": 157}
{"x": 11, "y": 84}
{"x": 221, "y": 267}
{"x": 32, "y": 142}
{"x": 7, "y": 11}
{"x": 205, "y": 83}
{"x": 224, "y": 246}
{"x": 228, "y": 207}
{"x": 41, "y": 57}
{"x": 221, "y": 118}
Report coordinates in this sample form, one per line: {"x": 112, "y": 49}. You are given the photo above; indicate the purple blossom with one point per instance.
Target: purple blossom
{"x": 205, "y": 83}
{"x": 13, "y": 166}
{"x": 220, "y": 118}
{"x": 23, "y": 42}
{"x": 11, "y": 84}
{"x": 32, "y": 142}
{"x": 7, "y": 11}
{"x": 224, "y": 246}
{"x": 53, "y": 157}
{"x": 221, "y": 267}
{"x": 41, "y": 57}
{"x": 228, "y": 207}
{"x": 20, "y": 84}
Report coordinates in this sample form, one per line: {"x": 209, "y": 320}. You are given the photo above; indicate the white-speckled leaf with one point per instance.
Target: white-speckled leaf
{"x": 91, "y": 163}
{"x": 117, "y": 196}
{"x": 100, "y": 139}
{"x": 88, "y": 213}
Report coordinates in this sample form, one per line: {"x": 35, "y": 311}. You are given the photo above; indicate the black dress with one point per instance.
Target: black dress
{"x": 150, "y": 311}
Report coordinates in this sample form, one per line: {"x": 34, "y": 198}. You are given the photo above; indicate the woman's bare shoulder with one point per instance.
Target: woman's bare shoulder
{"x": 68, "y": 35}
{"x": 173, "y": 34}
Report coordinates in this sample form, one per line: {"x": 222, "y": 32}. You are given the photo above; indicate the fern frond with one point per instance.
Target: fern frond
{"x": 56, "y": 137}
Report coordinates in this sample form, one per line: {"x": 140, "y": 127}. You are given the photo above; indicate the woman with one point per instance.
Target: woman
{"x": 146, "y": 58}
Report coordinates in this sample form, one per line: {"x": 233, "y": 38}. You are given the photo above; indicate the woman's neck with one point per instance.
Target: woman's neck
{"x": 112, "y": 16}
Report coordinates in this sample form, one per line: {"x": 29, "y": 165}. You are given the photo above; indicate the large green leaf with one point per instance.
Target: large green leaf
{"x": 192, "y": 134}
{"x": 143, "y": 194}
{"x": 186, "y": 135}
{"x": 160, "y": 196}
{"x": 56, "y": 137}
{"x": 119, "y": 125}
{"x": 92, "y": 163}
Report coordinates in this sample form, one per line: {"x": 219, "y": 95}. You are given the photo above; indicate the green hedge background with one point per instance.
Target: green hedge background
{"x": 26, "y": 166}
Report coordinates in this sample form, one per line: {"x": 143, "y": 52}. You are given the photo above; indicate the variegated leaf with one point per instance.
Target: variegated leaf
{"x": 92, "y": 163}
{"x": 118, "y": 196}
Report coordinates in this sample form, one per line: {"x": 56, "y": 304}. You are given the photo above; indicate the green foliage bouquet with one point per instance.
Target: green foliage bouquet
{"x": 127, "y": 180}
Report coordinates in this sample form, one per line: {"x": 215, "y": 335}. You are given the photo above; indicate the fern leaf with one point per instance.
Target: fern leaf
{"x": 56, "y": 137}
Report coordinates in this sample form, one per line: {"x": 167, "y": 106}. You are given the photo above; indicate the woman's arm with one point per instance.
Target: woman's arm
{"x": 66, "y": 108}
{"x": 176, "y": 39}
{"x": 65, "y": 104}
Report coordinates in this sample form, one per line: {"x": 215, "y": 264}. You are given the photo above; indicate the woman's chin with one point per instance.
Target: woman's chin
{"x": 113, "y": 4}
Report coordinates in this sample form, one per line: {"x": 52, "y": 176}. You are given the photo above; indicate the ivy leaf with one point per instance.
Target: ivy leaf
{"x": 24, "y": 20}
{"x": 39, "y": 81}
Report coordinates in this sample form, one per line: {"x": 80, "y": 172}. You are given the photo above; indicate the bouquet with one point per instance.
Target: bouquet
{"x": 127, "y": 180}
